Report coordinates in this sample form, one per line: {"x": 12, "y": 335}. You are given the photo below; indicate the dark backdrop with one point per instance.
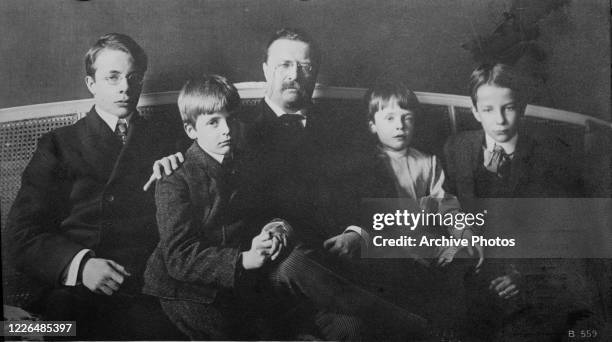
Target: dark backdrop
{"x": 417, "y": 41}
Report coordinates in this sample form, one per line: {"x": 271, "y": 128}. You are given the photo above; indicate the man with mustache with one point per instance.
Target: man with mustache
{"x": 81, "y": 226}
{"x": 300, "y": 151}
{"x": 302, "y": 147}
{"x": 296, "y": 153}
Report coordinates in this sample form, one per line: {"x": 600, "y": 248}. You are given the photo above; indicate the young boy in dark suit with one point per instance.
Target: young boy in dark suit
{"x": 215, "y": 270}
{"x": 503, "y": 161}
{"x": 81, "y": 226}
{"x": 198, "y": 266}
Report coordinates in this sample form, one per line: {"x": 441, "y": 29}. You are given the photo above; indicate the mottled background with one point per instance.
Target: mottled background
{"x": 432, "y": 45}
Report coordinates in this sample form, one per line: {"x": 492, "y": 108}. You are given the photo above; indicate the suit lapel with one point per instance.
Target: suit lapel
{"x": 257, "y": 127}
{"x": 100, "y": 146}
{"x": 138, "y": 150}
{"x": 520, "y": 164}
{"x": 477, "y": 153}
{"x": 470, "y": 157}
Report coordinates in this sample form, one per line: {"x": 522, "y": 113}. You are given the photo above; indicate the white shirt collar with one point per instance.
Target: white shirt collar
{"x": 394, "y": 154}
{"x": 110, "y": 119}
{"x": 508, "y": 146}
{"x": 279, "y": 111}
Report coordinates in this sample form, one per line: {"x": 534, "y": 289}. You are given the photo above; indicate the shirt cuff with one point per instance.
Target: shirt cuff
{"x": 364, "y": 234}
{"x": 73, "y": 269}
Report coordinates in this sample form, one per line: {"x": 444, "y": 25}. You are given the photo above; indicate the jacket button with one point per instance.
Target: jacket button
{"x": 109, "y": 197}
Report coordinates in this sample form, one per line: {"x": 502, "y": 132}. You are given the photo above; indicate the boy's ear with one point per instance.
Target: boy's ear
{"x": 190, "y": 130}
{"x": 90, "y": 82}
{"x": 372, "y": 126}
{"x": 476, "y": 113}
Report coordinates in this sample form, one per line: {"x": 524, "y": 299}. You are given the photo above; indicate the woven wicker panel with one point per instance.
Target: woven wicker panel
{"x": 18, "y": 141}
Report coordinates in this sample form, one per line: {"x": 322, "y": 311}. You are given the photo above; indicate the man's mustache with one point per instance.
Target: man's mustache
{"x": 292, "y": 85}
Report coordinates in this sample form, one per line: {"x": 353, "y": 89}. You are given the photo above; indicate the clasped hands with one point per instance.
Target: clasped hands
{"x": 275, "y": 237}
{"x": 268, "y": 244}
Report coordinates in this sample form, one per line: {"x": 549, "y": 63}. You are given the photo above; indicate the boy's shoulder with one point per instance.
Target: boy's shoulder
{"x": 463, "y": 144}
{"x": 196, "y": 166}
{"x": 465, "y": 137}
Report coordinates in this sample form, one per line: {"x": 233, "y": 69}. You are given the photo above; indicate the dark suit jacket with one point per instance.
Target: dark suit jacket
{"x": 537, "y": 170}
{"x": 83, "y": 189}
{"x": 296, "y": 175}
{"x": 202, "y": 231}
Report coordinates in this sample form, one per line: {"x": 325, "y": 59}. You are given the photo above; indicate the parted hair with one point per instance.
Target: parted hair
{"x": 116, "y": 41}
{"x": 383, "y": 94}
{"x": 503, "y": 76}
{"x": 206, "y": 94}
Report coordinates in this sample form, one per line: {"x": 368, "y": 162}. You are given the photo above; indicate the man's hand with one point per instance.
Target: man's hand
{"x": 506, "y": 286}
{"x": 103, "y": 276}
{"x": 167, "y": 164}
{"x": 261, "y": 245}
{"x": 344, "y": 245}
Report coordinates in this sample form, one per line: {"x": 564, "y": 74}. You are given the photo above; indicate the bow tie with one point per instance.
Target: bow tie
{"x": 292, "y": 120}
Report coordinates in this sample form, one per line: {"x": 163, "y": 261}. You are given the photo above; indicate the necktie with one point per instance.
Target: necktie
{"x": 121, "y": 130}
{"x": 496, "y": 160}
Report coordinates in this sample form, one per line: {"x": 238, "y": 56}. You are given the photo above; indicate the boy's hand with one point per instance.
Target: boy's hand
{"x": 103, "y": 276}
{"x": 167, "y": 164}
{"x": 280, "y": 231}
{"x": 259, "y": 252}
{"x": 446, "y": 255}
{"x": 346, "y": 244}
{"x": 506, "y": 286}
{"x": 467, "y": 234}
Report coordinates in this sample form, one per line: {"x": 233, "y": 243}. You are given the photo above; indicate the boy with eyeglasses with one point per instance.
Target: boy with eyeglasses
{"x": 81, "y": 225}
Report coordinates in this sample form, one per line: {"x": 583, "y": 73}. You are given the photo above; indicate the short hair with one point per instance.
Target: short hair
{"x": 116, "y": 41}
{"x": 383, "y": 94}
{"x": 206, "y": 94}
{"x": 503, "y": 76}
{"x": 298, "y": 35}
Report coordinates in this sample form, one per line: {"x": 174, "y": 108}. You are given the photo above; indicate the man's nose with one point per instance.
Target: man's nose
{"x": 292, "y": 72}
{"x": 123, "y": 85}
